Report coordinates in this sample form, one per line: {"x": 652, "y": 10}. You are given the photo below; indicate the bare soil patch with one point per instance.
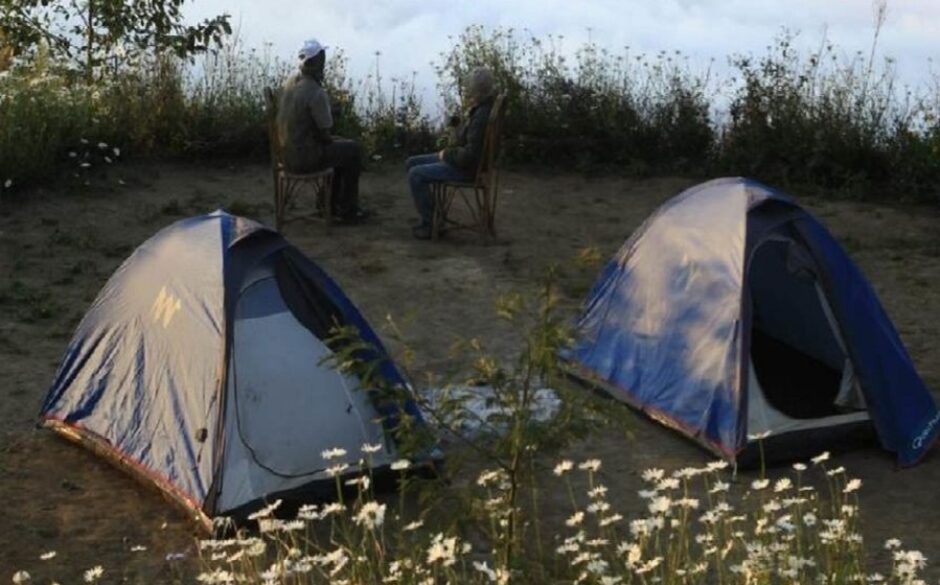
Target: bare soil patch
{"x": 58, "y": 248}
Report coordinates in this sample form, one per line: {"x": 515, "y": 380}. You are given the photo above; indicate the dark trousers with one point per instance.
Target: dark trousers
{"x": 423, "y": 170}
{"x": 345, "y": 156}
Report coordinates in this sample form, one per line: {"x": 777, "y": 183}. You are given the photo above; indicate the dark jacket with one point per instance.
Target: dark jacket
{"x": 304, "y": 119}
{"x": 469, "y": 148}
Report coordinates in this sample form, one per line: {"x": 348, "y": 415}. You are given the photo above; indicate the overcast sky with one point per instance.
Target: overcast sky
{"x": 410, "y": 33}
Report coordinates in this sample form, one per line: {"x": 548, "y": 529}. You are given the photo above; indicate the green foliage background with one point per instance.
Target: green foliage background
{"x": 785, "y": 117}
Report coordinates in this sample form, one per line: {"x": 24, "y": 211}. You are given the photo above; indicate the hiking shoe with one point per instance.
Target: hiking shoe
{"x": 356, "y": 216}
{"x": 421, "y": 232}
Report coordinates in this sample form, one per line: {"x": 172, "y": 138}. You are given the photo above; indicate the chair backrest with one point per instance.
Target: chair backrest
{"x": 270, "y": 106}
{"x": 491, "y": 140}
{"x": 271, "y": 98}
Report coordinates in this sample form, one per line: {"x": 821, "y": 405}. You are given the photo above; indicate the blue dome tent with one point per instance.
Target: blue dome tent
{"x": 202, "y": 367}
{"x": 732, "y": 315}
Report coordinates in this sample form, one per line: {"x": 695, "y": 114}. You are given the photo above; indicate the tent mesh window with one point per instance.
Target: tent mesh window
{"x": 796, "y": 354}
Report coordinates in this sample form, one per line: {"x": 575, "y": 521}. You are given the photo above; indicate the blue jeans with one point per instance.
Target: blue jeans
{"x": 423, "y": 170}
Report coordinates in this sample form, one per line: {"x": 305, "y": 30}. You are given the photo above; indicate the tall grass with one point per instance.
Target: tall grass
{"x": 787, "y": 116}
{"x": 604, "y": 108}
{"x": 151, "y": 107}
{"x": 696, "y": 526}
{"x": 487, "y": 522}
{"x": 841, "y": 124}
{"x": 161, "y": 106}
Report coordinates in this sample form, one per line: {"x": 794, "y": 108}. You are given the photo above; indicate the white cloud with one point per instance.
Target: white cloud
{"x": 411, "y": 33}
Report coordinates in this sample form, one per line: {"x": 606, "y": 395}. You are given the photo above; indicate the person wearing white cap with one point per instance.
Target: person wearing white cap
{"x": 304, "y": 121}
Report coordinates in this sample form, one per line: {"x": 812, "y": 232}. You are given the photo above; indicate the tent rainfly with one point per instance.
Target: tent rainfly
{"x": 203, "y": 367}
{"x": 733, "y": 316}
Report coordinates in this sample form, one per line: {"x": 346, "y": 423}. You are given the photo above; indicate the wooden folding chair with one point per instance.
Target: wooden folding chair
{"x": 481, "y": 205}
{"x": 286, "y": 183}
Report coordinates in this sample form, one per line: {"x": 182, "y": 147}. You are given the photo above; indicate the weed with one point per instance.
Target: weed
{"x": 840, "y": 124}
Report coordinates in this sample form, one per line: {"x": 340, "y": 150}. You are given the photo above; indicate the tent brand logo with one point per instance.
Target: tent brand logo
{"x": 165, "y": 307}
{"x": 919, "y": 439}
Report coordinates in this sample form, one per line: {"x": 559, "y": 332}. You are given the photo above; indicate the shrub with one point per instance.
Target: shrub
{"x": 604, "y": 109}
{"x": 839, "y": 125}
{"x": 842, "y": 125}
{"x": 162, "y": 106}
{"x": 391, "y": 121}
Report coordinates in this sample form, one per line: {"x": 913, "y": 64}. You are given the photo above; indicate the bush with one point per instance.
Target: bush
{"x": 50, "y": 116}
{"x": 162, "y": 106}
{"x": 390, "y": 122}
{"x": 813, "y": 119}
{"x": 605, "y": 109}
{"x": 837, "y": 125}
{"x": 696, "y": 529}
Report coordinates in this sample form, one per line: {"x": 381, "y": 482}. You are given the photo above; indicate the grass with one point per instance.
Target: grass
{"x": 606, "y": 108}
{"x": 158, "y": 106}
{"x": 485, "y": 520}
{"x": 841, "y": 124}
{"x": 696, "y": 526}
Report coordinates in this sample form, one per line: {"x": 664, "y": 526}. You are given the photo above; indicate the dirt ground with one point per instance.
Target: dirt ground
{"x": 58, "y": 248}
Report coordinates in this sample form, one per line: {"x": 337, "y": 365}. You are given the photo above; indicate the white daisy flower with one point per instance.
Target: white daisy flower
{"x": 824, "y": 456}
{"x": 563, "y": 467}
{"x": 590, "y": 465}
{"x": 575, "y": 519}
{"x": 333, "y": 453}
{"x": 93, "y": 574}
{"x": 371, "y": 515}
{"x": 653, "y": 475}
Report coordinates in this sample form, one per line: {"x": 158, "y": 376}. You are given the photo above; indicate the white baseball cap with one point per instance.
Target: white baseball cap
{"x": 311, "y": 48}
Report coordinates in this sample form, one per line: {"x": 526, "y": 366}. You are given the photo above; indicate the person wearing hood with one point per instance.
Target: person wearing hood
{"x": 459, "y": 161}
{"x": 304, "y": 122}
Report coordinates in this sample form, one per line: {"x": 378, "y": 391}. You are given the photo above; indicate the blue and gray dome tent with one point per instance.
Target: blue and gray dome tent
{"x": 202, "y": 368}
{"x": 732, "y": 315}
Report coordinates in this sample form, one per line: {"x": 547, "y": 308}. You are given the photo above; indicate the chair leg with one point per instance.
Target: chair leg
{"x": 437, "y": 210}
{"x": 479, "y": 212}
{"x": 288, "y": 187}
{"x": 278, "y": 203}
{"x": 327, "y": 195}
{"x": 486, "y": 213}
{"x": 492, "y": 198}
